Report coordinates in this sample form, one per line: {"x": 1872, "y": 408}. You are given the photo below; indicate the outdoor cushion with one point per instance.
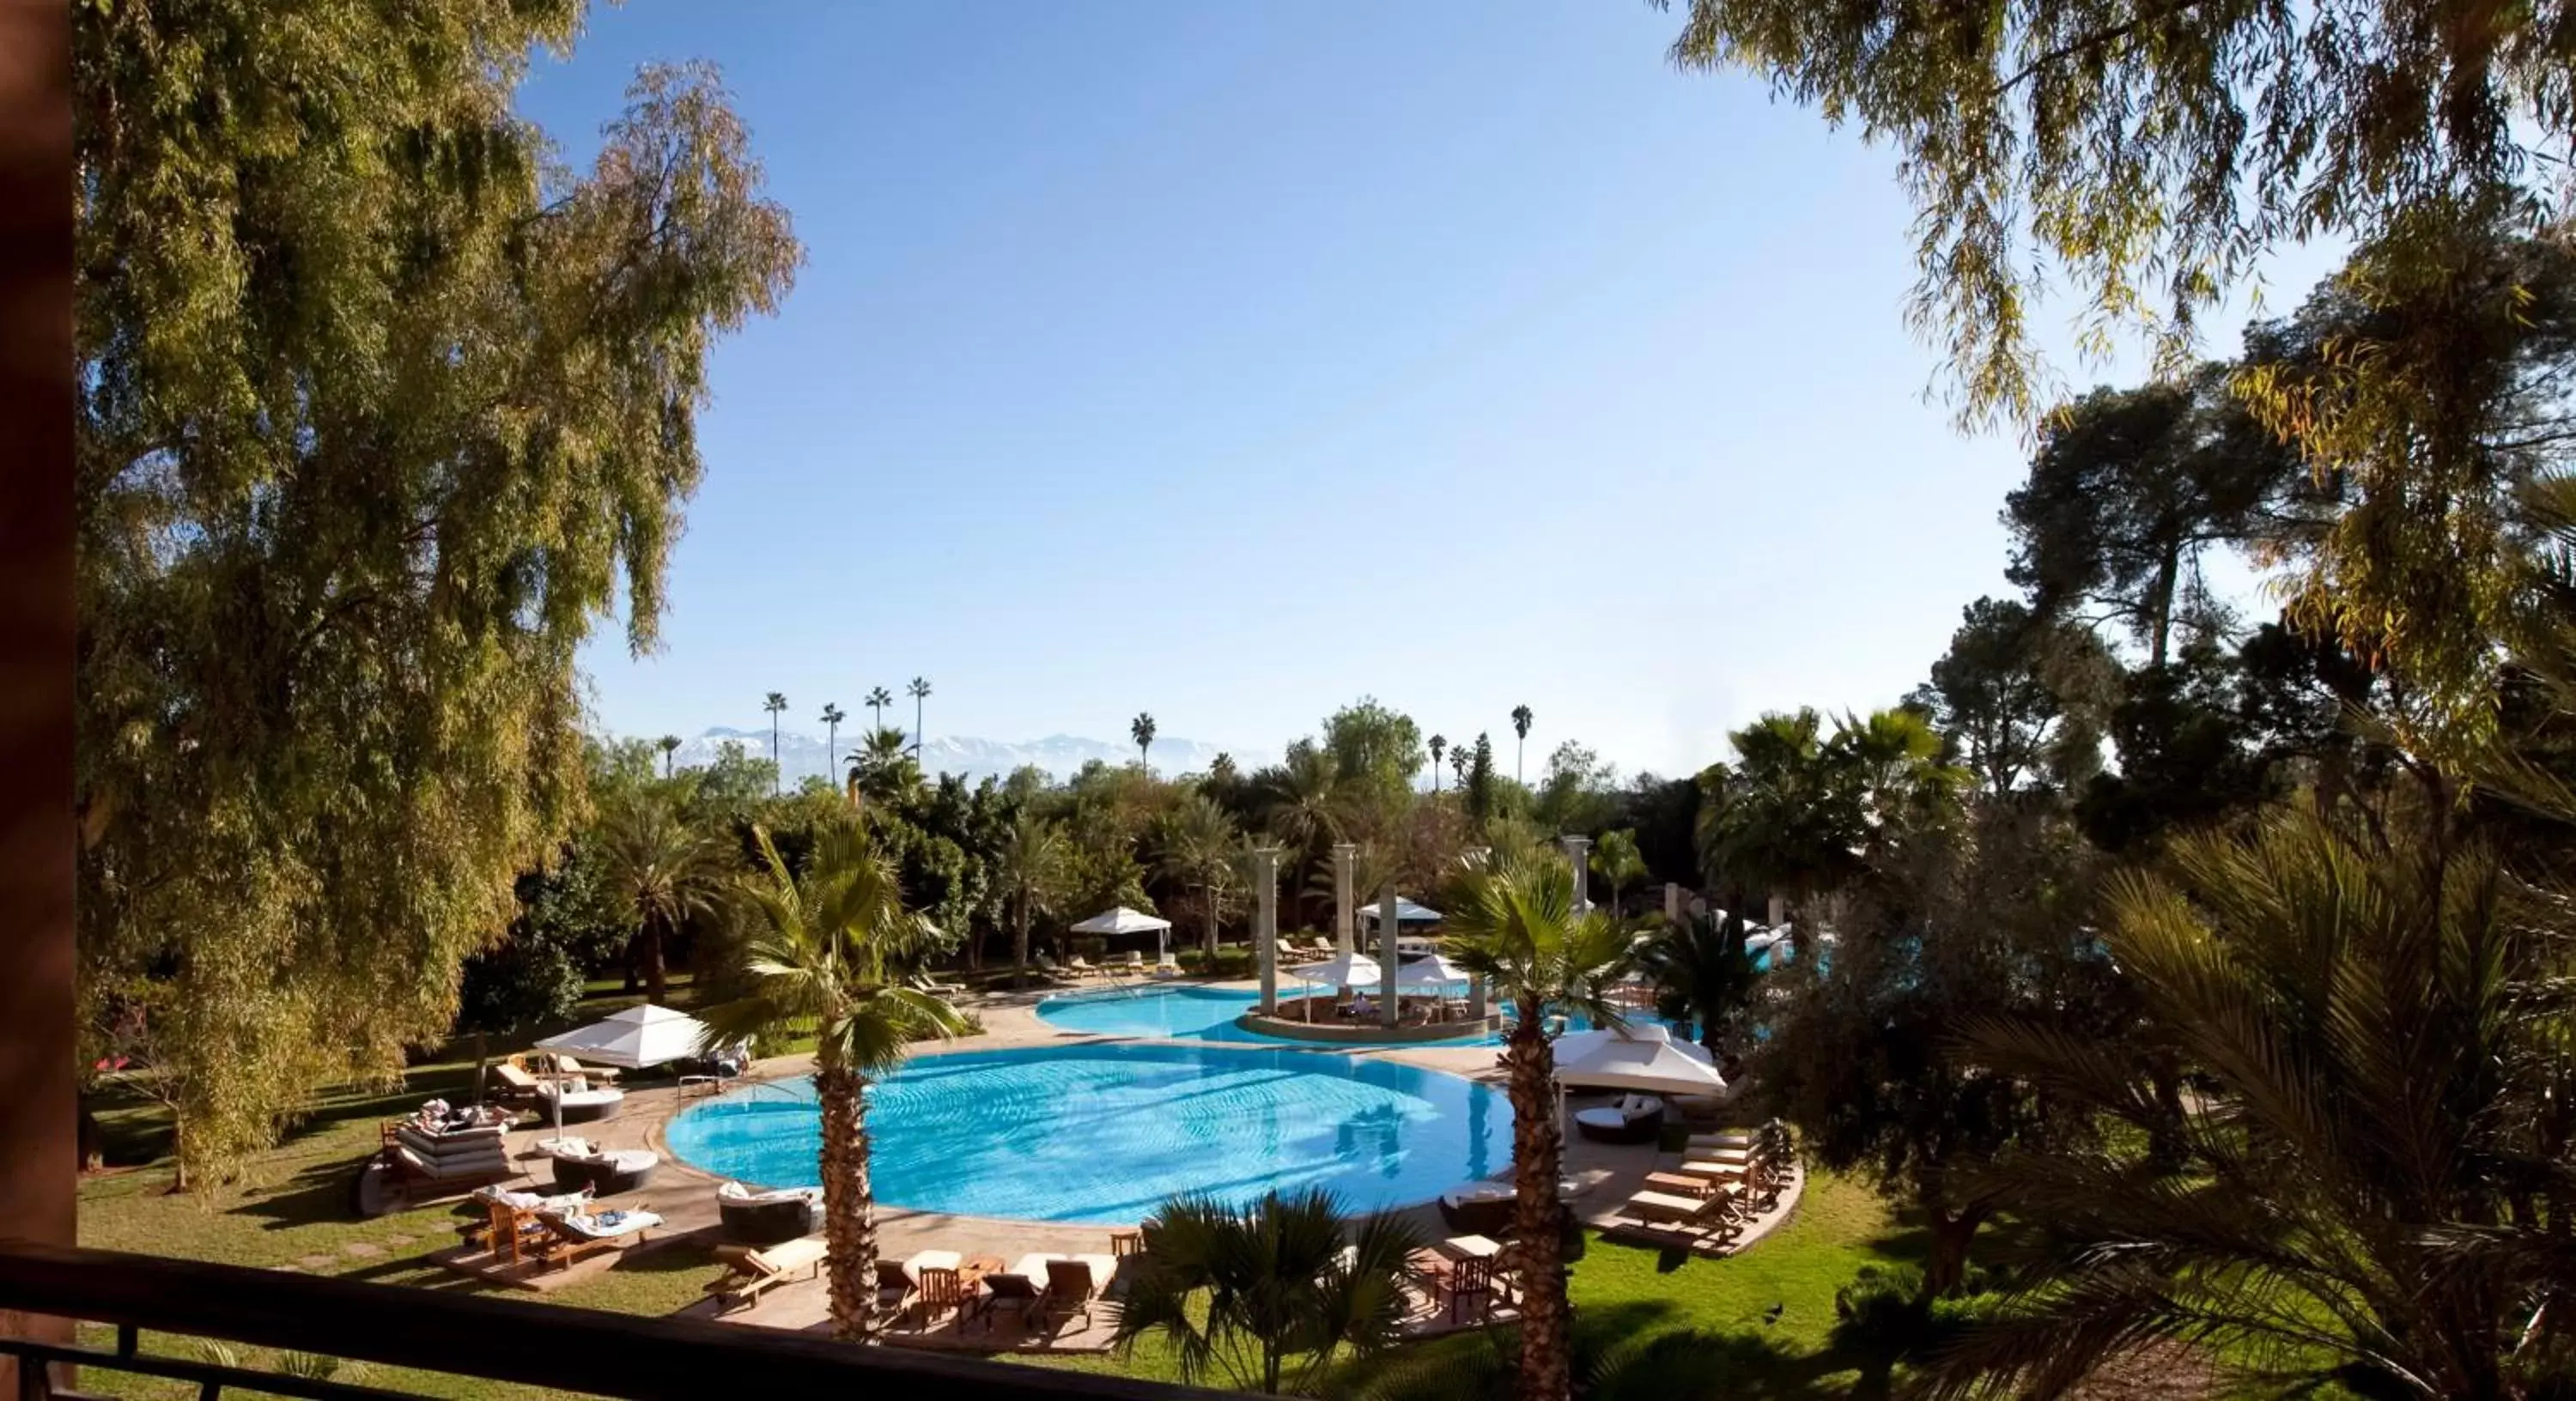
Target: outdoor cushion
{"x": 738, "y": 1192}
{"x": 931, "y": 1260}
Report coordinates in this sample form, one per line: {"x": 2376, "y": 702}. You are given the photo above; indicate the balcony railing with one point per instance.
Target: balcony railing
{"x": 496, "y": 1339}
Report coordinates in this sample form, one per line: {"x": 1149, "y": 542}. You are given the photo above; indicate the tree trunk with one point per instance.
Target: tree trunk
{"x": 1020, "y": 937}
{"x": 657, "y": 980}
{"x": 1947, "y": 1266}
{"x": 1538, "y": 1147}
{"x": 2161, "y": 626}
{"x": 1208, "y": 893}
{"x": 849, "y": 1205}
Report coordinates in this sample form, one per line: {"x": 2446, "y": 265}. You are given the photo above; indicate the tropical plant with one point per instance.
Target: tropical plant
{"x": 1516, "y": 927}
{"x": 1615, "y": 856}
{"x": 835, "y": 954}
{"x": 1611, "y": 1360}
{"x": 1439, "y": 746}
{"x": 1201, "y": 848}
{"x": 776, "y": 705}
{"x": 919, "y": 690}
{"x": 1705, "y": 975}
{"x": 832, "y": 717}
{"x": 1031, "y": 873}
{"x": 669, "y": 745}
{"x": 881, "y": 767}
{"x": 1520, "y": 731}
{"x": 663, "y": 870}
{"x": 2376, "y": 1169}
{"x": 1240, "y": 1294}
{"x": 878, "y": 700}
{"x": 1141, "y": 730}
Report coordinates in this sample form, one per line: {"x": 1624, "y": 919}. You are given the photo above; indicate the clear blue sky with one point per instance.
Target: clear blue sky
{"x": 1232, "y": 361}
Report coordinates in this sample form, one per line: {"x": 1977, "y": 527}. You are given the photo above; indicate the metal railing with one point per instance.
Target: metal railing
{"x": 495, "y": 1339}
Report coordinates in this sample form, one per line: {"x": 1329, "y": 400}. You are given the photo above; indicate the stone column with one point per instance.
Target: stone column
{"x": 1387, "y": 925}
{"x": 1577, "y": 850}
{"x": 1265, "y": 924}
{"x": 1672, "y": 902}
{"x": 1343, "y": 919}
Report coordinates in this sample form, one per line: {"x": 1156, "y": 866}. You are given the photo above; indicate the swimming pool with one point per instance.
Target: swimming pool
{"x": 1182, "y": 1013}
{"x": 1103, "y": 1133}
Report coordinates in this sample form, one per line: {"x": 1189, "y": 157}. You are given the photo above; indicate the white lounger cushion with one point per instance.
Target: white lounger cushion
{"x": 738, "y": 1192}
{"x": 931, "y": 1260}
{"x": 627, "y": 1224}
{"x": 1654, "y": 1204}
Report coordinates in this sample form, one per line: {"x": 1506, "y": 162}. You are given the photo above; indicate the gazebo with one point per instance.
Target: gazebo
{"x": 1123, "y": 920}
{"x": 1354, "y": 970}
{"x": 1407, "y": 911}
{"x": 1643, "y": 1057}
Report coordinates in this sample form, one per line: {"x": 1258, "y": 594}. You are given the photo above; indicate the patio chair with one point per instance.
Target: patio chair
{"x": 512, "y": 1083}
{"x": 569, "y": 1235}
{"x": 1465, "y": 1283}
{"x": 596, "y": 1074}
{"x": 1080, "y": 967}
{"x": 1691, "y": 1223}
{"x": 1005, "y": 1290}
{"x": 940, "y": 1289}
{"x": 751, "y": 1271}
{"x": 1134, "y": 962}
{"x": 1072, "y": 1282}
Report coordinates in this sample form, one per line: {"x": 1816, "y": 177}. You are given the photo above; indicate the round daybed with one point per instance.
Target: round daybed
{"x": 1634, "y": 1119}
{"x": 579, "y": 1167}
{"x": 1479, "y": 1209}
{"x": 767, "y": 1218}
{"x": 583, "y": 1105}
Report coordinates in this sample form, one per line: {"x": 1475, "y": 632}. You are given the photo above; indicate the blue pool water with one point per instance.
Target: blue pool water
{"x": 1196, "y": 1014}
{"x": 1103, "y": 1133}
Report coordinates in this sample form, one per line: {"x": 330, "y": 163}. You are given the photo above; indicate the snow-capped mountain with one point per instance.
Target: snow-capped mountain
{"x": 801, "y": 754}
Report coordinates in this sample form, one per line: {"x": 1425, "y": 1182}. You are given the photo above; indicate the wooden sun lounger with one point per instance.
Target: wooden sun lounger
{"x": 750, "y": 1272}
{"x": 563, "y": 1242}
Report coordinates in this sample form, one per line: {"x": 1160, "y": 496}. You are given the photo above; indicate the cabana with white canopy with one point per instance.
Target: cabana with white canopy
{"x": 1643, "y": 1057}
{"x": 634, "y": 1039}
{"x": 1432, "y": 972}
{"x": 1406, "y": 912}
{"x": 1123, "y": 920}
{"x": 1352, "y": 970}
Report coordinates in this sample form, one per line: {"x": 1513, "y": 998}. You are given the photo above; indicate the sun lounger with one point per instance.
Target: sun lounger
{"x": 1692, "y": 1223}
{"x": 936, "y": 988}
{"x": 1005, "y": 1290}
{"x": 569, "y": 1235}
{"x": 894, "y": 1288}
{"x": 512, "y": 1082}
{"x": 1738, "y": 1139}
{"x": 750, "y": 1271}
{"x": 1167, "y": 967}
{"x": 596, "y": 1074}
{"x": 1072, "y": 1283}
{"x": 1080, "y": 967}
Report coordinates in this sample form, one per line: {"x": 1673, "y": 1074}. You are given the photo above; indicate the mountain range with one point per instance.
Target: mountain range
{"x": 801, "y": 754}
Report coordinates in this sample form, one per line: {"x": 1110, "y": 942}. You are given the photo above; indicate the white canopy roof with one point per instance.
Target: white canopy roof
{"x": 1121, "y": 920}
{"x": 1406, "y": 912}
{"x": 1758, "y": 941}
{"x": 1429, "y": 972}
{"x": 1640, "y": 1057}
{"x": 1347, "y": 970}
{"x": 634, "y": 1038}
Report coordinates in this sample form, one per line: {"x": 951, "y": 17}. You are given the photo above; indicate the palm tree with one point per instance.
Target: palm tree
{"x": 881, "y": 767}
{"x": 919, "y": 690}
{"x": 1520, "y": 729}
{"x": 835, "y": 954}
{"x": 664, "y": 871}
{"x": 832, "y": 718}
{"x": 1614, "y": 1359}
{"x": 776, "y": 705}
{"x": 1705, "y": 973}
{"x": 1439, "y": 746}
{"x": 2375, "y": 1177}
{"x": 1200, "y": 845}
{"x": 878, "y": 700}
{"x": 1237, "y": 1293}
{"x": 1141, "y": 730}
{"x": 670, "y": 745}
{"x": 1616, "y": 857}
{"x": 1032, "y": 865}
{"x": 1459, "y": 758}
{"x": 1516, "y": 927}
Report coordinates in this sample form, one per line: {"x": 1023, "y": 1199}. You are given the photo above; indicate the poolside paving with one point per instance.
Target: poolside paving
{"x": 685, "y": 1197}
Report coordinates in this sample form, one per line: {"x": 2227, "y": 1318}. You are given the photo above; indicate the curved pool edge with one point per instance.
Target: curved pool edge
{"x": 1472, "y": 1083}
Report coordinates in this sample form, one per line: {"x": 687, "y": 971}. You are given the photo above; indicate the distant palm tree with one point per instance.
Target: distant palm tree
{"x": 1439, "y": 746}
{"x": 1032, "y": 859}
{"x": 1141, "y": 730}
{"x": 1520, "y": 728}
{"x": 1236, "y": 1293}
{"x": 776, "y": 706}
{"x": 1200, "y": 845}
{"x": 883, "y": 769}
{"x": 1616, "y": 857}
{"x": 832, "y": 718}
{"x": 663, "y": 871}
{"x": 670, "y": 745}
{"x": 836, "y": 956}
{"x": 1459, "y": 758}
{"x": 1517, "y": 928}
{"x": 877, "y": 701}
{"x": 1705, "y": 973}
{"x": 919, "y": 690}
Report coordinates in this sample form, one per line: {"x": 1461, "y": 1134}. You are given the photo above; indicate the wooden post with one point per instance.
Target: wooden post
{"x": 39, "y": 1104}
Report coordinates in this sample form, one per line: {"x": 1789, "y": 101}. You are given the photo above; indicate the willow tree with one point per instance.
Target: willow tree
{"x": 382, "y": 405}
{"x": 2149, "y": 156}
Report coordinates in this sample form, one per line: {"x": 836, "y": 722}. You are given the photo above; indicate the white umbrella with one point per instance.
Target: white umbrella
{"x": 1343, "y": 970}
{"x": 1123, "y": 920}
{"x": 1406, "y": 912}
{"x": 630, "y": 1040}
{"x": 1642, "y": 1057}
{"x": 633, "y": 1039}
{"x": 1434, "y": 971}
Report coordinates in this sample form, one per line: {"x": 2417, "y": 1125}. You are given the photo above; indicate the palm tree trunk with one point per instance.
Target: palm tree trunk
{"x": 657, "y": 985}
{"x": 1538, "y": 1148}
{"x": 1209, "y": 894}
{"x": 849, "y": 1205}
{"x": 1947, "y": 1266}
{"x": 1020, "y": 936}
